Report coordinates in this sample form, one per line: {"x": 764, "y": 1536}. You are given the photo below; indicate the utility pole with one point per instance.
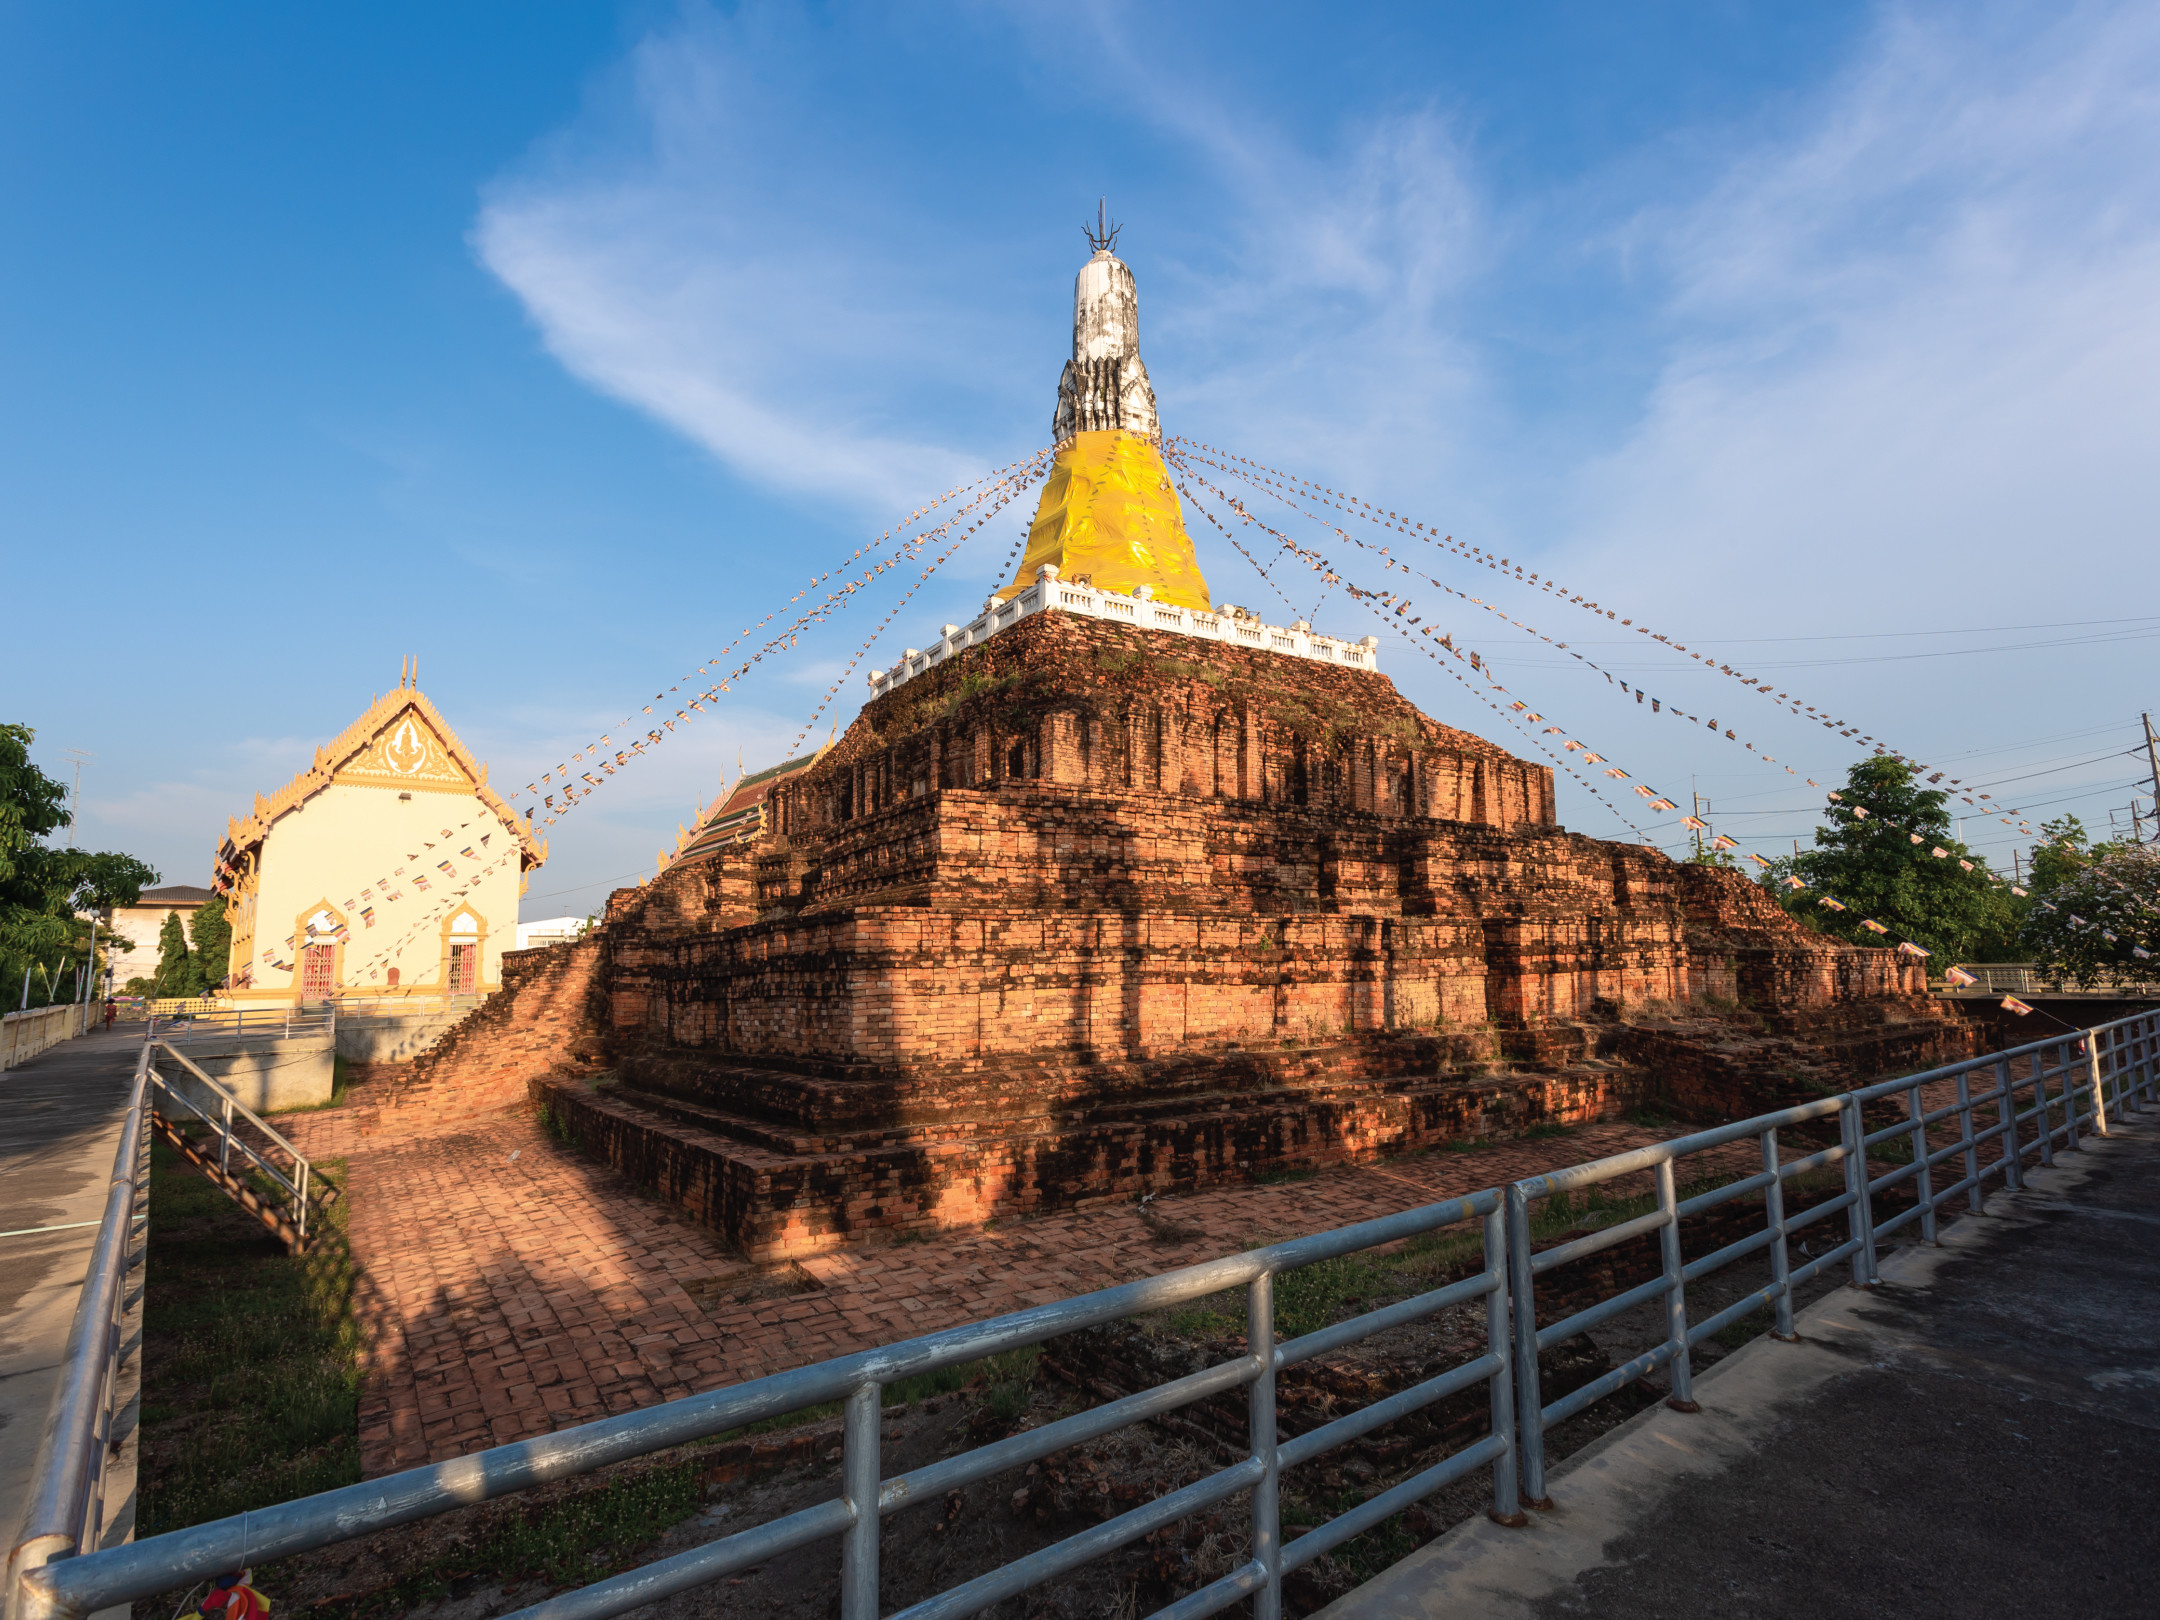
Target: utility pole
{"x": 2017, "y": 865}
{"x": 1697, "y": 798}
{"x": 2152, "y": 760}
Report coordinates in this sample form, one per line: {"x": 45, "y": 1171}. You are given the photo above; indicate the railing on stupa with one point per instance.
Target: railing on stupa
{"x": 1231, "y": 627}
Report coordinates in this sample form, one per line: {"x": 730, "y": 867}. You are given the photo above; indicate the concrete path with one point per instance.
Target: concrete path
{"x": 60, "y": 1117}
{"x": 1980, "y": 1435}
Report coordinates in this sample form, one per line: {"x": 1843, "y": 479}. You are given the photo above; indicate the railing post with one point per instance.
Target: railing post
{"x": 1780, "y": 1256}
{"x": 2069, "y": 1097}
{"x": 1529, "y": 1402}
{"x": 1923, "y": 1172}
{"x": 860, "y": 1477}
{"x": 2092, "y": 1069}
{"x": 1507, "y": 1488}
{"x": 1682, "y": 1398}
{"x": 1260, "y": 1429}
{"x": 224, "y": 1158}
{"x": 1860, "y": 1213}
{"x": 2012, "y": 1139}
{"x": 1972, "y": 1150}
{"x": 2046, "y": 1107}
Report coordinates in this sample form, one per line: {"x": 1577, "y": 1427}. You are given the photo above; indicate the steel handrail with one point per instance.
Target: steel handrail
{"x": 80, "y": 1586}
{"x": 2120, "y": 1066}
{"x": 2112, "y": 1065}
{"x": 295, "y": 1185}
{"x": 64, "y": 1508}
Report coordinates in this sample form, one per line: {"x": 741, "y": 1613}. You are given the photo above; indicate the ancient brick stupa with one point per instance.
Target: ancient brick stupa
{"x": 1115, "y": 889}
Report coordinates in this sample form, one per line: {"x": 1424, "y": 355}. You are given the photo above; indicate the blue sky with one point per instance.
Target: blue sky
{"x": 553, "y": 344}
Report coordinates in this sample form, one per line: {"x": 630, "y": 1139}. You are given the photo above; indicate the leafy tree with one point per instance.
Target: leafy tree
{"x": 2064, "y": 851}
{"x": 212, "y": 935}
{"x": 1871, "y": 863}
{"x": 2092, "y": 907}
{"x": 44, "y": 892}
{"x": 176, "y": 975}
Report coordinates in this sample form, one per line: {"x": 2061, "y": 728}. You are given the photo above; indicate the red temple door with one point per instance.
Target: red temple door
{"x": 317, "y": 972}
{"x": 464, "y": 969}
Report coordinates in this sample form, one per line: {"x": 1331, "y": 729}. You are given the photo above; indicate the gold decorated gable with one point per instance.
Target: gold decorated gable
{"x": 407, "y": 752}
{"x": 400, "y": 742}
{"x": 1109, "y": 515}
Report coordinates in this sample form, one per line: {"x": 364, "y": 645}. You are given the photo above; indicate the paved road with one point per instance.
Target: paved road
{"x": 60, "y": 1117}
{"x": 1981, "y": 1435}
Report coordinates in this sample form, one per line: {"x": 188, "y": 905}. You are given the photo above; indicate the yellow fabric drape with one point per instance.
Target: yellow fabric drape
{"x": 1109, "y": 514}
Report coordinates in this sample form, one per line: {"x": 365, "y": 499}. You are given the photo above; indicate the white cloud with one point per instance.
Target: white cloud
{"x": 715, "y": 269}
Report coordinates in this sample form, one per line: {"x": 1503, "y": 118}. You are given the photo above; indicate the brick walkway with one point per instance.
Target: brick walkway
{"x": 514, "y": 1287}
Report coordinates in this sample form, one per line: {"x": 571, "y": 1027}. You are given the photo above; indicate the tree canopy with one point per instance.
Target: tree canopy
{"x": 2094, "y": 906}
{"x": 1881, "y": 873}
{"x": 45, "y": 891}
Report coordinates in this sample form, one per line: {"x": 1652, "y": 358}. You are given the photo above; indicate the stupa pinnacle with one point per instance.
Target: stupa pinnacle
{"x": 1109, "y": 514}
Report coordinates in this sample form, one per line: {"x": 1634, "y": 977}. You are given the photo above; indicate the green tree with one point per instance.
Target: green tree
{"x": 212, "y": 935}
{"x": 176, "y": 974}
{"x": 1868, "y": 858}
{"x": 2093, "y": 907}
{"x": 45, "y": 892}
{"x": 2064, "y": 850}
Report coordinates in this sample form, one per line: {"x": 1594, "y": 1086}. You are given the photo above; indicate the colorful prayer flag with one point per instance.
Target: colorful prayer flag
{"x": 1872, "y": 926}
{"x": 1908, "y": 948}
{"x": 1957, "y": 976}
{"x": 2012, "y": 1004}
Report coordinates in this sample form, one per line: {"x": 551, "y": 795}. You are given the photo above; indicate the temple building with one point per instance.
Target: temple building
{"x": 387, "y": 867}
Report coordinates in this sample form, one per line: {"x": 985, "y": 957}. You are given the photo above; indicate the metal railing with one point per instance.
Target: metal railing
{"x": 2068, "y": 1085}
{"x": 281, "y": 1022}
{"x": 2026, "y": 979}
{"x": 296, "y": 1184}
{"x": 414, "y": 1006}
{"x": 65, "y": 1510}
{"x": 2111, "y": 1067}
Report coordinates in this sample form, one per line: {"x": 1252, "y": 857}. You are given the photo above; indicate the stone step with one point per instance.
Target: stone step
{"x": 748, "y": 1182}
{"x": 812, "y": 1106}
{"x": 1043, "y": 1120}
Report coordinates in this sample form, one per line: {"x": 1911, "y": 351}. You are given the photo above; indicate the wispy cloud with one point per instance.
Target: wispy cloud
{"x": 706, "y": 248}
{"x": 791, "y": 290}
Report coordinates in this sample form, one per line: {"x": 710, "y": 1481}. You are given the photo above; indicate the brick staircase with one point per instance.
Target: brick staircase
{"x": 787, "y": 1163}
{"x": 537, "y": 1024}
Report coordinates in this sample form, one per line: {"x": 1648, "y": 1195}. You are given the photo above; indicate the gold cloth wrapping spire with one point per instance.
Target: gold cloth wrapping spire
{"x": 1109, "y": 515}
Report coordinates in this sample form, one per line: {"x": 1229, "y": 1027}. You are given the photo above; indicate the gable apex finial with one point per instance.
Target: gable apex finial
{"x": 1102, "y": 236}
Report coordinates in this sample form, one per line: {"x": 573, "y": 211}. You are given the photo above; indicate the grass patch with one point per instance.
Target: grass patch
{"x": 557, "y": 1126}
{"x": 251, "y": 1383}
{"x": 1546, "y": 1132}
{"x": 1274, "y": 1178}
{"x": 1004, "y": 1380}
{"x": 568, "y": 1542}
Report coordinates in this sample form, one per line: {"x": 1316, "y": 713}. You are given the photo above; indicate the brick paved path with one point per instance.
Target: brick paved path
{"x": 513, "y": 1287}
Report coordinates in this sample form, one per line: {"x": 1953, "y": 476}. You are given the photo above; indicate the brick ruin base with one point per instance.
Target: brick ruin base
{"x": 1090, "y": 911}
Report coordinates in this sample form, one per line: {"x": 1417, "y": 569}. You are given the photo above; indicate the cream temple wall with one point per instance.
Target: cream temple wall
{"x": 388, "y": 868}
